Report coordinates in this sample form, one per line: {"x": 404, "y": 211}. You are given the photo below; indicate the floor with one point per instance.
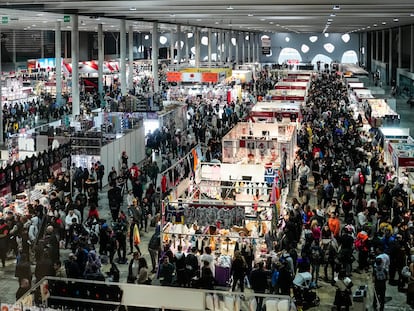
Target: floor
{"x": 9, "y": 284}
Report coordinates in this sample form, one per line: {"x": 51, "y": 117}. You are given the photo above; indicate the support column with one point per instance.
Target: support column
{"x": 122, "y": 69}
{"x": 399, "y": 47}
{"x": 130, "y": 57}
{"x": 58, "y": 57}
{"x": 172, "y": 47}
{"x": 258, "y": 47}
{"x": 249, "y": 48}
{"x": 178, "y": 44}
{"x": 224, "y": 45}
{"x": 390, "y": 66}
{"x": 197, "y": 48}
{"x": 383, "y": 46}
{"x": 154, "y": 56}
{"x": 230, "y": 47}
{"x": 377, "y": 45}
{"x": 1, "y": 103}
{"x": 42, "y": 44}
{"x": 243, "y": 47}
{"x": 100, "y": 63}
{"x": 187, "y": 49}
{"x": 236, "y": 52}
{"x": 209, "y": 48}
{"x": 14, "y": 50}
{"x": 220, "y": 45}
{"x": 75, "y": 65}
{"x": 372, "y": 51}
{"x": 411, "y": 48}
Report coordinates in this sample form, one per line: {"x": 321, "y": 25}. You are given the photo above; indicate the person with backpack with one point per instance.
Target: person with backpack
{"x": 316, "y": 259}
{"x": 191, "y": 264}
{"x": 380, "y": 275}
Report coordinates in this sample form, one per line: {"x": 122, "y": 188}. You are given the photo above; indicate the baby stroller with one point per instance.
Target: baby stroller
{"x": 304, "y": 296}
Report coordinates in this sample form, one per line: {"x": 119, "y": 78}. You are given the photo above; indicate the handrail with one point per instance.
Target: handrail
{"x": 130, "y": 295}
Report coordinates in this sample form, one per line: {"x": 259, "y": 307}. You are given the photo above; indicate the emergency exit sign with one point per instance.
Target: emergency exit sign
{"x": 66, "y": 18}
{"x": 5, "y": 20}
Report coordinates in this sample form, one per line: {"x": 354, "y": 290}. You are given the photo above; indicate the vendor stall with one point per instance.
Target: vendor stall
{"x": 260, "y": 143}
{"x": 379, "y": 113}
{"x": 276, "y": 111}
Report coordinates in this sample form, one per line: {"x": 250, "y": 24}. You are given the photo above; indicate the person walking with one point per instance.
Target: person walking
{"x": 380, "y": 275}
{"x": 238, "y": 270}
{"x": 258, "y": 282}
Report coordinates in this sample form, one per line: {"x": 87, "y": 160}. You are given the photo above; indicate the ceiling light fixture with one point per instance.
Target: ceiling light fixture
{"x": 333, "y": 14}
{"x": 384, "y": 23}
{"x": 395, "y": 19}
{"x": 229, "y": 7}
{"x": 412, "y": 14}
{"x": 133, "y": 8}
{"x": 263, "y": 19}
{"x": 330, "y": 19}
{"x": 250, "y": 15}
{"x": 375, "y": 25}
{"x": 336, "y": 7}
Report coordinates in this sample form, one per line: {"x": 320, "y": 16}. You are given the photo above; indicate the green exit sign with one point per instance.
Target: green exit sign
{"x": 5, "y": 20}
{"x": 66, "y": 18}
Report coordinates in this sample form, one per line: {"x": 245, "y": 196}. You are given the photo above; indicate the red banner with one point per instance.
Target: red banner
{"x": 209, "y": 77}
{"x": 174, "y": 76}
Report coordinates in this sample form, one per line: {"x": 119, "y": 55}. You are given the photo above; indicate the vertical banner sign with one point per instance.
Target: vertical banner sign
{"x": 266, "y": 46}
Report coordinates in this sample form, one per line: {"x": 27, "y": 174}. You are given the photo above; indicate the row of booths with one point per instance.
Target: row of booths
{"x": 232, "y": 204}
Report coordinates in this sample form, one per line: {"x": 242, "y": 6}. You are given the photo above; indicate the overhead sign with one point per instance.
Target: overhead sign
{"x": 66, "y": 18}
{"x": 5, "y": 20}
{"x": 266, "y": 46}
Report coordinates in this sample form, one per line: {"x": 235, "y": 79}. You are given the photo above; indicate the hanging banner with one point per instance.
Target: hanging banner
{"x": 266, "y": 46}
{"x": 211, "y": 214}
{"x": 209, "y": 77}
{"x": 174, "y": 76}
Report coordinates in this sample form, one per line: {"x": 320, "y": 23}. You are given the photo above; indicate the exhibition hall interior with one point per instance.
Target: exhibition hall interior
{"x": 225, "y": 155}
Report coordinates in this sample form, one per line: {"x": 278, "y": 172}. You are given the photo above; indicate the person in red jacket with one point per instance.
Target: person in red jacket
{"x": 334, "y": 224}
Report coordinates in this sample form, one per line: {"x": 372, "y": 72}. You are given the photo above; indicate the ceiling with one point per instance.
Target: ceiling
{"x": 306, "y": 16}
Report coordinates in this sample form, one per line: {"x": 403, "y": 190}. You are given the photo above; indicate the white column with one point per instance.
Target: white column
{"x": 197, "y": 47}
{"x": 209, "y": 48}
{"x": 258, "y": 48}
{"x": 236, "y": 52}
{"x": 75, "y": 65}
{"x": 172, "y": 47}
{"x": 230, "y": 46}
{"x": 154, "y": 56}
{"x": 42, "y": 44}
{"x": 249, "y": 48}
{"x": 187, "y": 48}
{"x": 243, "y": 47}
{"x": 178, "y": 44}
{"x": 130, "y": 57}
{"x": 58, "y": 57}
{"x": 122, "y": 69}
{"x": 253, "y": 47}
{"x": 100, "y": 62}
{"x": 220, "y": 47}
{"x": 224, "y": 45}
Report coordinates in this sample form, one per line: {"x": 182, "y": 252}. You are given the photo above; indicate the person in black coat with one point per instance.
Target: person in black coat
{"x": 23, "y": 269}
{"x": 24, "y": 286}
{"x": 115, "y": 200}
{"x": 72, "y": 267}
{"x": 285, "y": 279}
{"x": 258, "y": 282}
{"x": 44, "y": 267}
{"x": 52, "y": 244}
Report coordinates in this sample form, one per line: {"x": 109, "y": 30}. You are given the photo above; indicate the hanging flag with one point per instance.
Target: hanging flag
{"x": 136, "y": 236}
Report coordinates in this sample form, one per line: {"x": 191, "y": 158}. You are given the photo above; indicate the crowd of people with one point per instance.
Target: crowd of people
{"x": 350, "y": 214}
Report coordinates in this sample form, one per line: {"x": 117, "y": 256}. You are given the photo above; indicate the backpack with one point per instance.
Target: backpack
{"x": 380, "y": 273}
{"x": 275, "y": 277}
{"x": 361, "y": 179}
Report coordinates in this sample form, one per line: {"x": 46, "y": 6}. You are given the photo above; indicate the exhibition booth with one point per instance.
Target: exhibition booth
{"x": 260, "y": 143}
{"x": 276, "y": 111}
{"x": 379, "y": 113}
{"x": 362, "y": 94}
